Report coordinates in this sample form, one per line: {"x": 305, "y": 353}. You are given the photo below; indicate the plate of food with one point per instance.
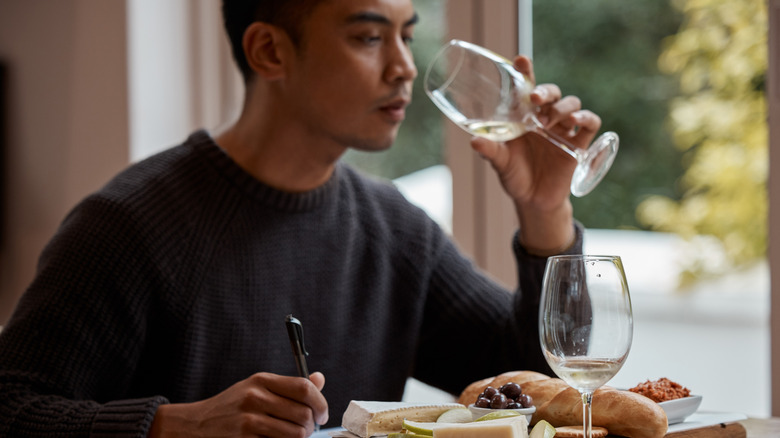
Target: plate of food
{"x": 675, "y": 399}
{"x": 616, "y": 411}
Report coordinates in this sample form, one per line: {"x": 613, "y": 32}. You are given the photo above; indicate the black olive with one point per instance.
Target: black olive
{"x": 499, "y": 401}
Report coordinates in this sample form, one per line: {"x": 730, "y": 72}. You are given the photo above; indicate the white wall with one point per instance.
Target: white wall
{"x": 67, "y": 120}
{"x": 181, "y": 77}
{"x": 159, "y": 80}
{"x": 86, "y": 79}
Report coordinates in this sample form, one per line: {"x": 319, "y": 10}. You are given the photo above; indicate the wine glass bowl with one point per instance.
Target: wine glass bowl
{"x": 482, "y": 92}
{"x": 585, "y": 322}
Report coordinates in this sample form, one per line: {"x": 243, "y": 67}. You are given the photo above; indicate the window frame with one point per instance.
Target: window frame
{"x": 483, "y": 217}
{"x": 773, "y": 96}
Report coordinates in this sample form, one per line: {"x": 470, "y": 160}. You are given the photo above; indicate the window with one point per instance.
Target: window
{"x": 608, "y": 54}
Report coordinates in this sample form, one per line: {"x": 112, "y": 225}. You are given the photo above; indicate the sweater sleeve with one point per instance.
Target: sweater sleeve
{"x": 473, "y": 328}
{"x": 67, "y": 355}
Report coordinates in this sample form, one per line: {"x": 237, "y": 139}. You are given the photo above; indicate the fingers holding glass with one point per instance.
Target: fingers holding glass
{"x": 490, "y": 97}
{"x": 524, "y": 65}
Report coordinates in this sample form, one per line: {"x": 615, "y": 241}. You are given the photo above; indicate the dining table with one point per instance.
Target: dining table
{"x": 748, "y": 427}
{"x": 761, "y": 427}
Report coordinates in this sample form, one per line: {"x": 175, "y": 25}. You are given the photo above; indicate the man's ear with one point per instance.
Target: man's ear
{"x": 266, "y": 48}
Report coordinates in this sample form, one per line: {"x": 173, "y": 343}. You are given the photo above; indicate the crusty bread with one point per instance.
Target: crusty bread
{"x": 470, "y": 394}
{"x": 621, "y": 412}
{"x": 517, "y": 377}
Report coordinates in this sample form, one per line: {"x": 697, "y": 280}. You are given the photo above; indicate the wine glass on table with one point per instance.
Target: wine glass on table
{"x": 483, "y": 94}
{"x": 585, "y": 322}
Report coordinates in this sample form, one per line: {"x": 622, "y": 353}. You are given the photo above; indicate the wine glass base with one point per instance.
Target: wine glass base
{"x": 595, "y": 165}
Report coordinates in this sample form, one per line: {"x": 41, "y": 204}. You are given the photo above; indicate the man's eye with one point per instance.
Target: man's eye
{"x": 370, "y": 39}
{"x": 408, "y": 39}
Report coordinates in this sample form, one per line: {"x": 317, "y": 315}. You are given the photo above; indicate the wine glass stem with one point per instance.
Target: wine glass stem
{"x": 557, "y": 140}
{"x": 587, "y": 426}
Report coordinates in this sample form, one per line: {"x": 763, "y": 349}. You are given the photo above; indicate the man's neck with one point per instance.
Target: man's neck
{"x": 276, "y": 155}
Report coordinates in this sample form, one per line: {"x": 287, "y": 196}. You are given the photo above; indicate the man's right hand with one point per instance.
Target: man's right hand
{"x": 265, "y": 404}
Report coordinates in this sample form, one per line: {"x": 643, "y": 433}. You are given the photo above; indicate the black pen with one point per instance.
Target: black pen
{"x": 295, "y": 331}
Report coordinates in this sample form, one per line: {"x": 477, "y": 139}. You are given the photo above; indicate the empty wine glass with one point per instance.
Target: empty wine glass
{"x": 483, "y": 94}
{"x": 585, "y": 322}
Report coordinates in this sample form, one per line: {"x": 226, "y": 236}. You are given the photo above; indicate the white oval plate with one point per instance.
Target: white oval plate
{"x": 479, "y": 412}
{"x": 680, "y": 409}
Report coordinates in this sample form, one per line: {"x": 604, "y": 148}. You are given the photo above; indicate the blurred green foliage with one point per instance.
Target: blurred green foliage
{"x": 606, "y": 53}
{"x": 719, "y": 122}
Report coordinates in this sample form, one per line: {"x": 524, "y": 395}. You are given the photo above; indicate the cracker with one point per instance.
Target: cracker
{"x": 577, "y": 432}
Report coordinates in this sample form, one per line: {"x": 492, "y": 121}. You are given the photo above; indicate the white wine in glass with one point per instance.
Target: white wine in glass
{"x": 585, "y": 322}
{"x": 482, "y": 93}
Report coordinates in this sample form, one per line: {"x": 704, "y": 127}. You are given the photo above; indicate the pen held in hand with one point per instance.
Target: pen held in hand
{"x": 295, "y": 332}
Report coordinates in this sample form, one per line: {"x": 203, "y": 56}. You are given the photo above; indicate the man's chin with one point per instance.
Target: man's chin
{"x": 377, "y": 145}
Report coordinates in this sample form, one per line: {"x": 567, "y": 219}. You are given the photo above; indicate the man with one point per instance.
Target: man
{"x": 158, "y": 307}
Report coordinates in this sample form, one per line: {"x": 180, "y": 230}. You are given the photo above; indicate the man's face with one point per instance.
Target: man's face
{"x": 352, "y": 77}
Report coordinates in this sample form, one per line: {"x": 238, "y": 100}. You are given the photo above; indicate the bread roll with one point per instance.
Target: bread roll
{"x": 621, "y": 412}
{"x": 518, "y": 377}
{"x": 470, "y": 394}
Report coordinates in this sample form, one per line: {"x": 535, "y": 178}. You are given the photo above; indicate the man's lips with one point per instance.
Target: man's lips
{"x": 395, "y": 109}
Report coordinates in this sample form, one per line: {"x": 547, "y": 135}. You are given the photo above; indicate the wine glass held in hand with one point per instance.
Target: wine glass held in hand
{"x": 483, "y": 94}
{"x": 585, "y": 322}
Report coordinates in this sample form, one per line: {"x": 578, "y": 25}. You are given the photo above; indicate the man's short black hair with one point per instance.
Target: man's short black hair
{"x": 239, "y": 14}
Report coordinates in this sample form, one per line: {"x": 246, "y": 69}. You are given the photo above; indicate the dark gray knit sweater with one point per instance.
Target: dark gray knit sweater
{"x": 172, "y": 283}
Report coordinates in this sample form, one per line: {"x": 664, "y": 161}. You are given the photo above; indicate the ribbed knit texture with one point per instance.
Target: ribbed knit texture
{"x": 172, "y": 283}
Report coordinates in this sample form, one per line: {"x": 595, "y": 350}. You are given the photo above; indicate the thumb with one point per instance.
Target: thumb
{"x": 318, "y": 379}
{"x": 494, "y": 152}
